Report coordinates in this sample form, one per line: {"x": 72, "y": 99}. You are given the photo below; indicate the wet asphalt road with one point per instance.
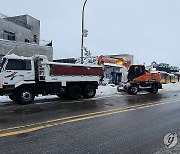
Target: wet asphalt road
{"x": 112, "y": 124}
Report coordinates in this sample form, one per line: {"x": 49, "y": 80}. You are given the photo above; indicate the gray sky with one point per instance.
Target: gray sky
{"x": 148, "y": 29}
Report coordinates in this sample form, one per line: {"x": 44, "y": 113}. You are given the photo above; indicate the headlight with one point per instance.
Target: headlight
{"x": 1, "y": 86}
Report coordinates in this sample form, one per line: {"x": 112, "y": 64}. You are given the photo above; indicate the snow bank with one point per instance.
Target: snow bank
{"x": 171, "y": 87}
{"x": 109, "y": 89}
{"x": 4, "y": 98}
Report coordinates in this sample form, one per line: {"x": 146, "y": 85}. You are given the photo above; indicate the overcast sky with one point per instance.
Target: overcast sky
{"x": 147, "y": 29}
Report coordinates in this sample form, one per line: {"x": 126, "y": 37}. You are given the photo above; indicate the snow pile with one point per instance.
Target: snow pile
{"x": 171, "y": 87}
{"x": 109, "y": 89}
{"x": 4, "y": 98}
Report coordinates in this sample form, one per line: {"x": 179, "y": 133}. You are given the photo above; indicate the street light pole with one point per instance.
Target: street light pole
{"x": 82, "y": 37}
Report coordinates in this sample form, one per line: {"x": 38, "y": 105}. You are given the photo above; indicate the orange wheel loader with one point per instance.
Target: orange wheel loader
{"x": 140, "y": 79}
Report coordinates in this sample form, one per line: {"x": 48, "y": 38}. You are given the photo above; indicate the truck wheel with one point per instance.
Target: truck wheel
{"x": 154, "y": 89}
{"x": 89, "y": 91}
{"x": 13, "y": 98}
{"x": 132, "y": 90}
{"x": 75, "y": 92}
{"x": 25, "y": 96}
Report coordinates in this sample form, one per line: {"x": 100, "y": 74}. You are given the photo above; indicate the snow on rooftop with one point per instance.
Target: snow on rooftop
{"x": 13, "y": 56}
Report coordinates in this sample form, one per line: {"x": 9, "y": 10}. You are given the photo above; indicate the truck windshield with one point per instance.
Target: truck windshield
{"x": 18, "y": 64}
{"x": 2, "y": 61}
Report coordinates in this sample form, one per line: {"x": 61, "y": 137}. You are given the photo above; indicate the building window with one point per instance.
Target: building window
{"x": 27, "y": 40}
{"x": 35, "y": 38}
{"x": 8, "y": 35}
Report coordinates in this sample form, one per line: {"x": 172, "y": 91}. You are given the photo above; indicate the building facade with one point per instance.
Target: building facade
{"x": 117, "y": 72}
{"x": 21, "y": 35}
{"x": 127, "y": 57}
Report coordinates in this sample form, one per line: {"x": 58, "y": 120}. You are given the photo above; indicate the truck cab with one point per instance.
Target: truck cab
{"x": 15, "y": 71}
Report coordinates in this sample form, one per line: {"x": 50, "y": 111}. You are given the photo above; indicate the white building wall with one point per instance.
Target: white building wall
{"x": 21, "y": 33}
{"x": 25, "y": 49}
{"x": 24, "y": 27}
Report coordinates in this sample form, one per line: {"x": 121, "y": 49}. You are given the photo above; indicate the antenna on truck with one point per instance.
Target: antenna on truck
{"x": 10, "y": 50}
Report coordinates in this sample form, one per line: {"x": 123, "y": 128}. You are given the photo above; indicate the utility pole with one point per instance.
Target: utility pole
{"x": 84, "y": 32}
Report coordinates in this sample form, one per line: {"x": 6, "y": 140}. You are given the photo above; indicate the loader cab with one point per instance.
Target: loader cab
{"x": 135, "y": 71}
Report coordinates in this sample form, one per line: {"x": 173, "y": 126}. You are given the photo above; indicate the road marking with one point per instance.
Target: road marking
{"x": 21, "y": 131}
{"x": 38, "y": 126}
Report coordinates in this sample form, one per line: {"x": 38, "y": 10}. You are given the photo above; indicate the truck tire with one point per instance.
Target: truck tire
{"x": 154, "y": 89}
{"x": 13, "y": 98}
{"x": 89, "y": 91}
{"x": 25, "y": 96}
{"x": 132, "y": 89}
{"x": 75, "y": 92}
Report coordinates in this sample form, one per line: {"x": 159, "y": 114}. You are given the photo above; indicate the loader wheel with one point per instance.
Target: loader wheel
{"x": 89, "y": 91}
{"x": 13, "y": 98}
{"x": 25, "y": 96}
{"x": 75, "y": 92}
{"x": 154, "y": 89}
{"x": 132, "y": 90}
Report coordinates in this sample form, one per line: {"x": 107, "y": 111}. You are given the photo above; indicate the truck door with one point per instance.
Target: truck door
{"x": 17, "y": 70}
{"x": 2, "y": 62}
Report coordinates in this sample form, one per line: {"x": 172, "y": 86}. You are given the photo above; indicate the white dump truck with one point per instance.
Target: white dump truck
{"x": 23, "y": 78}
